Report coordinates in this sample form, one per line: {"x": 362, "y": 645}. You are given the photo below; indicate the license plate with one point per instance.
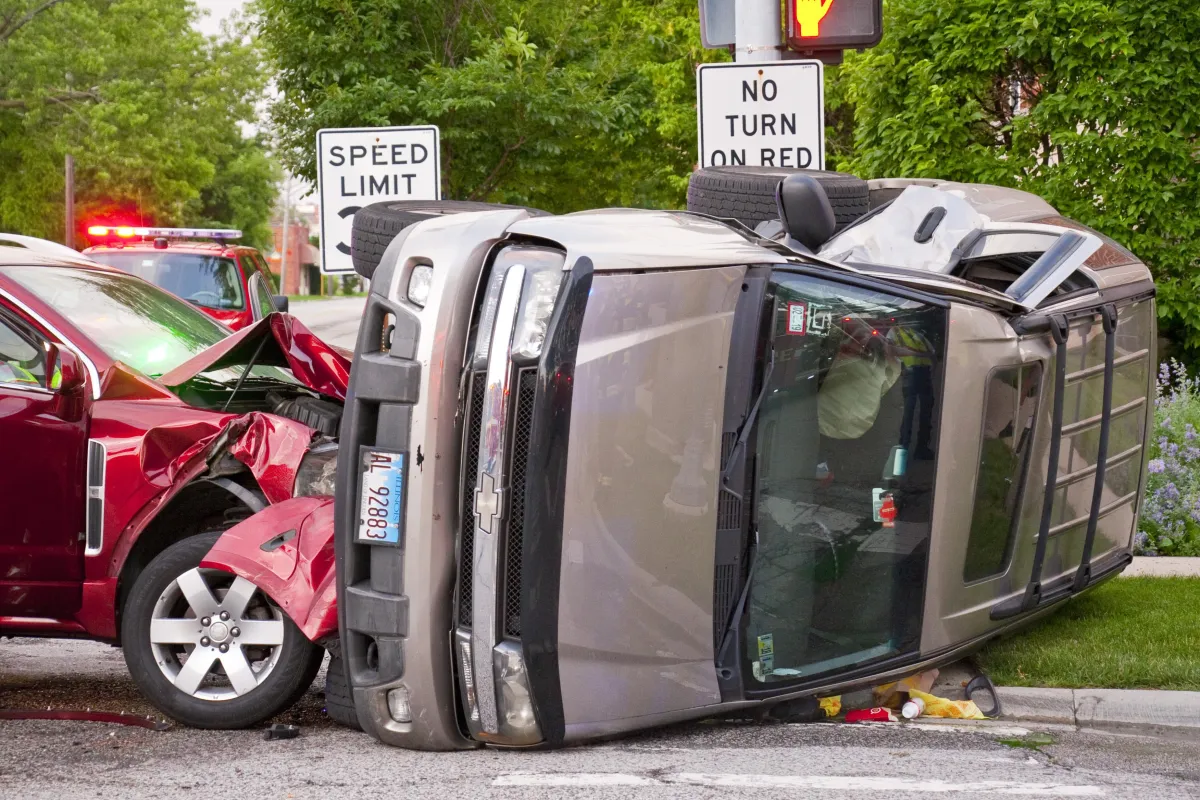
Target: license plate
{"x": 382, "y": 500}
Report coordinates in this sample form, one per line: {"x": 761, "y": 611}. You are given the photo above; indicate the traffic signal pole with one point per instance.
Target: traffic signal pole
{"x": 758, "y": 31}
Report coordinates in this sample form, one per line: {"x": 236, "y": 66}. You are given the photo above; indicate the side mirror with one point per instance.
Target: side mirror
{"x": 805, "y": 211}
{"x": 280, "y": 302}
{"x": 67, "y": 375}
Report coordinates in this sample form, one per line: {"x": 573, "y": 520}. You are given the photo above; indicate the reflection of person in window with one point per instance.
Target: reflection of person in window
{"x": 916, "y": 354}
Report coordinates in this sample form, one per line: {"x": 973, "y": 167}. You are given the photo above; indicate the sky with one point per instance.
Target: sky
{"x": 217, "y": 11}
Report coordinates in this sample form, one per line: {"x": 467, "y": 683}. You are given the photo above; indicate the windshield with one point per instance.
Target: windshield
{"x": 844, "y": 469}
{"x": 208, "y": 281}
{"x": 130, "y": 320}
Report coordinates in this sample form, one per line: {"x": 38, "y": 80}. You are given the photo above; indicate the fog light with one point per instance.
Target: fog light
{"x": 419, "y": 283}
{"x": 518, "y": 723}
{"x": 468, "y": 675}
{"x": 398, "y": 705}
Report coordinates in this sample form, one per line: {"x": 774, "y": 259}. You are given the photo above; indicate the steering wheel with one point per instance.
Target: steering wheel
{"x": 198, "y": 298}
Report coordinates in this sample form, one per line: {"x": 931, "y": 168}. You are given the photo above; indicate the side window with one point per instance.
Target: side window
{"x": 262, "y": 295}
{"x": 22, "y": 361}
{"x": 265, "y": 271}
{"x": 1009, "y": 408}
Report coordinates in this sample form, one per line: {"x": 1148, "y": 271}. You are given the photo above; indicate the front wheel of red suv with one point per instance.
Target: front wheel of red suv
{"x": 209, "y": 648}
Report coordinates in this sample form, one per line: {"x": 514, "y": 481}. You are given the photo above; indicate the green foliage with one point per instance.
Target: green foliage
{"x": 557, "y": 105}
{"x": 1169, "y": 523}
{"x": 1107, "y": 130}
{"x": 1130, "y": 633}
{"x": 148, "y": 107}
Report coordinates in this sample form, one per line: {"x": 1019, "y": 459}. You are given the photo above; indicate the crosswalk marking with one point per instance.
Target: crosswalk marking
{"x": 854, "y": 783}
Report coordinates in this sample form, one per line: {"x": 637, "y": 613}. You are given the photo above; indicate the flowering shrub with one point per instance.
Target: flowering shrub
{"x": 1170, "y": 521}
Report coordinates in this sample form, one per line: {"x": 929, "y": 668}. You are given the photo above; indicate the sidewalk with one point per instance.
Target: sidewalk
{"x": 1162, "y": 567}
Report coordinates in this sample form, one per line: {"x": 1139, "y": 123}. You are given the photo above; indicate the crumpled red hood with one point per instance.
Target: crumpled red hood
{"x": 285, "y": 342}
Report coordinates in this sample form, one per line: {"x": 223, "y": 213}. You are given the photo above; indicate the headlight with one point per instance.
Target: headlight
{"x": 317, "y": 472}
{"x": 543, "y": 277}
{"x": 518, "y": 723}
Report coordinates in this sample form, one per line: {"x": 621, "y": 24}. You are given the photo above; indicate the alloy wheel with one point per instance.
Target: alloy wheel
{"x": 214, "y": 635}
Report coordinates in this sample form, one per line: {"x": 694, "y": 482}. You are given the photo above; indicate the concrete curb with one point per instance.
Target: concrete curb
{"x": 1103, "y": 708}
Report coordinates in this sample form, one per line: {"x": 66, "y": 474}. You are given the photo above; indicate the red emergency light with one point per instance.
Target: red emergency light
{"x": 128, "y": 232}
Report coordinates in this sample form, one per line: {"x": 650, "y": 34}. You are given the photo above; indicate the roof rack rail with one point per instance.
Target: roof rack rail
{"x": 41, "y": 246}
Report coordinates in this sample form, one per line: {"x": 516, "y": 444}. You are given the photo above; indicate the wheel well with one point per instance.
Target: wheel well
{"x": 199, "y": 507}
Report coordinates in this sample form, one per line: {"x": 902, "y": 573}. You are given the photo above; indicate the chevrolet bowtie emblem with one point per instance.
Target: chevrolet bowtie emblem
{"x": 487, "y": 503}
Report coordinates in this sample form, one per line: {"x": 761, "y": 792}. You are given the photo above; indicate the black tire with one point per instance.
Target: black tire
{"x": 747, "y": 194}
{"x": 377, "y": 224}
{"x": 292, "y": 675}
{"x": 339, "y": 700}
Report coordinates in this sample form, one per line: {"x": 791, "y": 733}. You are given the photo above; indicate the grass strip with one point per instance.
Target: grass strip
{"x": 1130, "y": 633}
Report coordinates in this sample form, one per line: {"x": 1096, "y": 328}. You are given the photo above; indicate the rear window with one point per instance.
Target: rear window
{"x": 203, "y": 280}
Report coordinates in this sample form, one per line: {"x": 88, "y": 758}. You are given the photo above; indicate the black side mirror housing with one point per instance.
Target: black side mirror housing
{"x": 805, "y": 211}
{"x": 280, "y": 302}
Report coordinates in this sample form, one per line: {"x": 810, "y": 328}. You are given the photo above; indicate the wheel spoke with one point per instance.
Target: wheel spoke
{"x": 261, "y": 632}
{"x": 238, "y": 597}
{"x": 196, "y": 592}
{"x": 194, "y": 669}
{"x": 238, "y": 669}
{"x": 174, "y": 631}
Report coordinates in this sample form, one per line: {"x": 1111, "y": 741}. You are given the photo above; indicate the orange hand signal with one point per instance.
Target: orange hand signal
{"x": 809, "y": 14}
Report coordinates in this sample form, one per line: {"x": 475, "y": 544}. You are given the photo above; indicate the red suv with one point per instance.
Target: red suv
{"x": 133, "y": 430}
{"x": 230, "y": 283}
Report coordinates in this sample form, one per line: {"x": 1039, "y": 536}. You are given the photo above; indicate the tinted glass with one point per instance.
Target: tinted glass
{"x": 207, "y": 281}
{"x": 844, "y": 472}
{"x": 21, "y": 361}
{"x": 1010, "y": 407}
{"x": 128, "y": 319}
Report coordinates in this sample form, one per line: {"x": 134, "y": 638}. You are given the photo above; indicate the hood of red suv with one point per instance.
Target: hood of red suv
{"x": 278, "y": 340}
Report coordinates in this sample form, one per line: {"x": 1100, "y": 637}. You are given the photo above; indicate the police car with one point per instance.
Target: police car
{"x": 229, "y": 282}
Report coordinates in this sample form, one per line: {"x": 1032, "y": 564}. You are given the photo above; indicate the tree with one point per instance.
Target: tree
{"x": 557, "y": 105}
{"x": 1092, "y": 104}
{"x": 149, "y": 108}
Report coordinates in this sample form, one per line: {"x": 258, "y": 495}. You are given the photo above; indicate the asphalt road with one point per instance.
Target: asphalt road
{"x": 334, "y": 320}
{"x": 50, "y": 759}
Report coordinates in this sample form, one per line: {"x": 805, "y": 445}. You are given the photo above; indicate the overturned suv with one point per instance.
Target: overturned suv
{"x": 616, "y": 469}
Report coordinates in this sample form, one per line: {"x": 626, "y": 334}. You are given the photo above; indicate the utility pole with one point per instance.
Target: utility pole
{"x": 69, "y": 221}
{"x": 287, "y": 207}
{"x": 758, "y": 31}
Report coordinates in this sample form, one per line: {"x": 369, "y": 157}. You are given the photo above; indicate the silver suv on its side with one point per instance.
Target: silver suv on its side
{"x": 637, "y": 467}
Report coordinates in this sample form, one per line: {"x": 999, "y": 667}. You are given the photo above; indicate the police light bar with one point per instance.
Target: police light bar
{"x": 127, "y": 232}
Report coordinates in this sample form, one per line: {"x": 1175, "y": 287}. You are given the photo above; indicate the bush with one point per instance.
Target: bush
{"x": 1170, "y": 519}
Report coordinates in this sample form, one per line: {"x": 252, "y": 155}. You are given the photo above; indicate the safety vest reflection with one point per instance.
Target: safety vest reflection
{"x": 13, "y": 372}
{"x": 912, "y": 339}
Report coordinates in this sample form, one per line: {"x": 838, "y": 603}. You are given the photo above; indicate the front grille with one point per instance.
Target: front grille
{"x": 466, "y": 536}
{"x": 522, "y": 429}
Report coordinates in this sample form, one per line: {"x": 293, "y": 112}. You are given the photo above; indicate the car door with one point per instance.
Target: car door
{"x": 42, "y": 464}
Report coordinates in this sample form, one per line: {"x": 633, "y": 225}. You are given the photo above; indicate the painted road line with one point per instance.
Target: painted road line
{"x": 853, "y": 783}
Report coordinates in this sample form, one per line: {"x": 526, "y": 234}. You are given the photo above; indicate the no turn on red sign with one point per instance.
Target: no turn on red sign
{"x": 360, "y": 166}
{"x": 762, "y": 114}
